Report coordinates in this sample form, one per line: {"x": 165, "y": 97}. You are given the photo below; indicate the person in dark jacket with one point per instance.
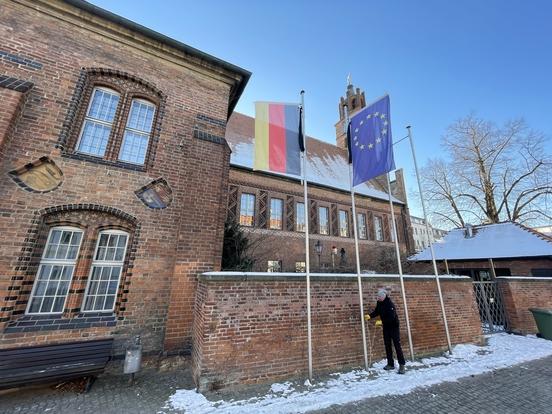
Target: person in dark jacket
{"x": 385, "y": 309}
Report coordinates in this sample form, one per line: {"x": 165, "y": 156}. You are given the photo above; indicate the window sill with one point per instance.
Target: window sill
{"x": 33, "y": 323}
{"x": 103, "y": 161}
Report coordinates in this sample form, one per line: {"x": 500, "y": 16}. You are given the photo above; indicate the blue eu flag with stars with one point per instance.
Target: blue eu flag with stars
{"x": 370, "y": 142}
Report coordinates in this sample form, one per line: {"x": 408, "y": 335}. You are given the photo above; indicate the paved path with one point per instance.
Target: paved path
{"x": 523, "y": 388}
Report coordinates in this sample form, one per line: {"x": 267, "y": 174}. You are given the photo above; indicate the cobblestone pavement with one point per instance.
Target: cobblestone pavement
{"x": 524, "y": 388}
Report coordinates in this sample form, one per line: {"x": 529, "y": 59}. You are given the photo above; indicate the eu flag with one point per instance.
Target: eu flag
{"x": 370, "y": 142}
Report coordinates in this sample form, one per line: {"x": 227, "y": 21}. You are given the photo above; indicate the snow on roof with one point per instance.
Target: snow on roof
{"x": 327, "y": 164}
{"x": 491, "y": 241}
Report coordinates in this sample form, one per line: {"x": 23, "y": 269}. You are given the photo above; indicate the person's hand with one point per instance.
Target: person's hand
{"x": 379, "y": 323}
{"x": 367, "y": 317}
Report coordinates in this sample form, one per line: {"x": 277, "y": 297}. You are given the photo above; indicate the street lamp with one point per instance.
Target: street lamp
{"x": 318, "y": 250}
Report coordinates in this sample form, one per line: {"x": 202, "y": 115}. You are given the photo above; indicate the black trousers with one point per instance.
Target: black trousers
{"x": 392, "y": 334}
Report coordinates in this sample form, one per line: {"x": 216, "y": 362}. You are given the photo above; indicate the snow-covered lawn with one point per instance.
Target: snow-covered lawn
{"x": 502, "y": 351}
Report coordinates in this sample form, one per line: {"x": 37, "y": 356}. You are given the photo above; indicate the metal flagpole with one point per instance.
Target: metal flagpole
{"x": 356, "y": 253}
{"x": 430, "y": 244}
{"x": 398, "y": 252}
{"x": 307, "y": 256}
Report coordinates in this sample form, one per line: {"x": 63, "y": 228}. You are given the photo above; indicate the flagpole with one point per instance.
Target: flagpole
{"x": 398, "y": 252}
{"x": 307, "y": 255}
{"x": 430, "y": 244}
{"x": 357, "y": 254}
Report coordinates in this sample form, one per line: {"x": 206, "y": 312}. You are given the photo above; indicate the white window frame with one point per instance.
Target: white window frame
{"x": 378, "y": 225}
{"x": 99, "y": 121}
{"x": 269, "y": 267}
{"x": 137, "y": 131}
{"x": 364, "y": 227}
{"x": 253, "y": 213}
{"x": 327, "y": 220}
{"x": 281, "y": 216}
{"x": 343, "y": 224}
{"x": 112, "y": 263}
{"x": 54, "y": 262}
{"x": 297, "y": 215}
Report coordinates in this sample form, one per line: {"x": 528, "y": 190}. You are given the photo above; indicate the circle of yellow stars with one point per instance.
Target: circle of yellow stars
{"x": 371, "y": 145}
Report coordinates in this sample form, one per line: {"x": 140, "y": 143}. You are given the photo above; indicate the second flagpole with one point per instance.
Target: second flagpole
{"x": 398, "y": 253}
{"x": 359, "y": 279}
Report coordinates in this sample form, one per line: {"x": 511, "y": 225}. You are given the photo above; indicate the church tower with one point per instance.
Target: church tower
{"x": 354, "y": 100}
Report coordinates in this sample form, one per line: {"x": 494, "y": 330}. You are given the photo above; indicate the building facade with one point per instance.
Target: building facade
{"x": 422, "y": 238}
{"x": 270, "y": 207}
{"x": 114, "y": 176}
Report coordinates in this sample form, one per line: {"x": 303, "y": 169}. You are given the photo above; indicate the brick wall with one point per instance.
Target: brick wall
{"x": 521, "y": 294}
{"x": 52, "y": 45}
{"x": 254, "y": 330}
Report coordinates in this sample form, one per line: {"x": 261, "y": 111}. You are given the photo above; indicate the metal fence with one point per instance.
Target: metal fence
{"x": 490, "y": 304}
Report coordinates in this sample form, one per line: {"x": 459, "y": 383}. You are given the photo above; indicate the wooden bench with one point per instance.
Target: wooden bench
{"x": 30, "y": 365}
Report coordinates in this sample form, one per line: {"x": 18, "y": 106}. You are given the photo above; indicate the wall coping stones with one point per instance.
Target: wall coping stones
{"x": 523, "y": 278}
{"x": 274, "y": 276}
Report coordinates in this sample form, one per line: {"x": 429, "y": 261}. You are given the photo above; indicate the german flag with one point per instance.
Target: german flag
{"x": 278, "y": 139}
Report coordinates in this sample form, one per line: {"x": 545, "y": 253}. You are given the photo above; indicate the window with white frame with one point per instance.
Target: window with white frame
{"x": 362, "y": 233}
{"x": 247, "y": 209}
{"x": 323, "y": 220}
{"x": 137, "y": 132}
{"x": 276, "y": 213}
{"x": 343, "y": 223}
{"x": 55, "y": 271}
{"x": 274, "y": 266}
{"x": 105, "y": 274}
{"x": 98, "y": 122}
{"x": 300, "y": 217}
{"x": 300, "y": 267}
{"x": 378, "y": 228}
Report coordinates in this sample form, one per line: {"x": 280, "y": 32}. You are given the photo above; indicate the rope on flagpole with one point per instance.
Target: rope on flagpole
{"x": 307, "y": 255}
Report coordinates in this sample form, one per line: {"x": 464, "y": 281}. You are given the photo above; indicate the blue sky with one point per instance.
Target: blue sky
{"x": 438, "y": 60}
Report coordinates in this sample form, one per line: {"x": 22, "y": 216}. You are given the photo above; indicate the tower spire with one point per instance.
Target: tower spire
{"x": 354, "y": 100}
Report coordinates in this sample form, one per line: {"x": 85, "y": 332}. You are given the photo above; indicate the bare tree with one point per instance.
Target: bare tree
{"x": 493, "y": 174}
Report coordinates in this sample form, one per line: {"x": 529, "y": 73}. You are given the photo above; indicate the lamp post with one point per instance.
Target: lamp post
{"x": 318, "y": 250}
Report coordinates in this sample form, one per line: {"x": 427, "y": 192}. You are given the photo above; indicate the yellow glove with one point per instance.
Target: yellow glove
{"x": 379, "y": 323}
{"x": 367, "y": 317}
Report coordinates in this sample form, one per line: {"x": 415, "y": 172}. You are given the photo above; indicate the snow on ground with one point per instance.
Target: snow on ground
{"x": 502, "y": 351}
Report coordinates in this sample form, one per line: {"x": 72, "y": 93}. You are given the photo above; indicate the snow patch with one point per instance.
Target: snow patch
{"x": 503, "y": 350}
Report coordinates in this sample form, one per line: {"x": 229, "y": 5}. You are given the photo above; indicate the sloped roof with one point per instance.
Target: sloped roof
{"x": 327, "y": 164}
{"x": 491, "y": 241}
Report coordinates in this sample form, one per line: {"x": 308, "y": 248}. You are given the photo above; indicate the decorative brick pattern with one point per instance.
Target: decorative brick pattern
{"x": 290, "y": 213}
{"x": 233, "y": 203}
{"x": 264, "y": 210}
{"x": 334, "y": 221}
{"x": 129, "y": 87}
{"x": 20, "y": 60}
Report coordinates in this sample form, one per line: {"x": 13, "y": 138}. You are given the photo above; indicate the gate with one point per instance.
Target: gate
{"x": 491, "y": 309}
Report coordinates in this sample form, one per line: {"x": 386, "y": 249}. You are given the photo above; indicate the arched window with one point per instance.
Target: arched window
{"x": 137, "y": 132}
{"x": 114, "y": 118}
{"x": 98, "y": 122}
{"x": 105, "y": 272}
{"x": 55, "y": 271}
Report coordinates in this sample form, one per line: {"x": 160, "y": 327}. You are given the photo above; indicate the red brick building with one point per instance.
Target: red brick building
{"x": 114, "y": 176}
{"x": 270, "y": 207}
